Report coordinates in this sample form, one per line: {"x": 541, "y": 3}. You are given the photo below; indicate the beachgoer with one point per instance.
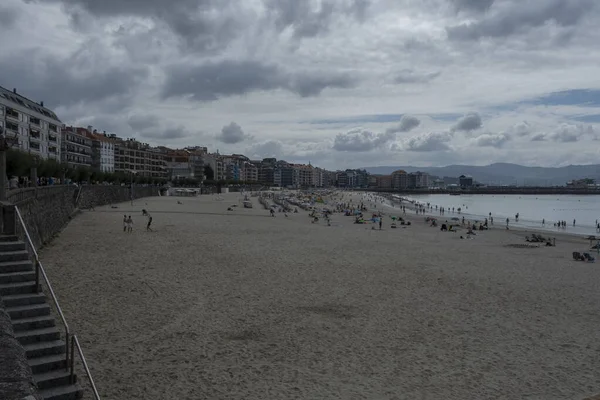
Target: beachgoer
{"x": 125, "y": 225}
{"x": 147, "y": 214}
{"x": 380, "y": 222}
{"x": 573, "y": 222}
{"x": 129, "y": 224}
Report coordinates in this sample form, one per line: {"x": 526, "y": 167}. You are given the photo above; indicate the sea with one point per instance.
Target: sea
{"x": 532, "y": 209}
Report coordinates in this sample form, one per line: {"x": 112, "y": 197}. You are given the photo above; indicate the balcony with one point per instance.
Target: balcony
{"x": 34, "y": 146}
{"x": 12, "y": 114}
{"x": 52, "y": 150}
{"x": 34, "y": 123}
{"x": 12, "y": 127}
{"x": 35, "y": 135}
{"x": 52, "y": 138}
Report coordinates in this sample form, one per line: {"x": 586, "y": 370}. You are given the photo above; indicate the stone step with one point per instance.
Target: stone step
{"x": 70, "y": 392}
{"x": 28, "y": 311}
{"x": 12, "y": 246}
{"x": 41, "y": 349}
{"x": 19, "y": 276}
{"x": 53, "y": 379}
{"x": 15, "y": 266}
{"x": 38, "y": 335}
{"x": 18, "y": 255}
{"x": 14, "y": 300}
{"x": 8, "y": 238}
{"x": 25, "y": 324}
{"x": 17, "y": 288}
{"x": 40, "y": 365}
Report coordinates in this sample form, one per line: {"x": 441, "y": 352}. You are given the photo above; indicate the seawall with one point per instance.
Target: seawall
{"x": 46, "y": 210}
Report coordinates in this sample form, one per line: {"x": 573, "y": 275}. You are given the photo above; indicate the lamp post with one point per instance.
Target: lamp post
{"x": 131, "y": 187}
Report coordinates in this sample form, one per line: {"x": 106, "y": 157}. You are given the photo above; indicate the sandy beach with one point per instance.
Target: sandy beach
{"x": 239, "y": 305}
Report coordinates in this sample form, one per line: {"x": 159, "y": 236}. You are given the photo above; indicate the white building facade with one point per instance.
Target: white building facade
{"x": 29, "y": 126}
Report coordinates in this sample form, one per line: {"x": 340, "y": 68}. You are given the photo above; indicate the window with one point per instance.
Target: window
{"x": 35, "y": 121}
{"x": 52, "y": 127}
{"x": 12, "y": 127}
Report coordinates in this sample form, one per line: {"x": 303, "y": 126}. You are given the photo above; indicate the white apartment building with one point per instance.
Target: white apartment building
{"x": 29, "y": 126}
{"x": 103, "y": 151}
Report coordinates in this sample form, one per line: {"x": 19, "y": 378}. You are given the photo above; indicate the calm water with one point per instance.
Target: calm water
{"x": 531, "y": 208}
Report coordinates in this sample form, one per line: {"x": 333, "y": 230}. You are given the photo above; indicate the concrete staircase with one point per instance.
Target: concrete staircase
{"x": 33, "y": 323}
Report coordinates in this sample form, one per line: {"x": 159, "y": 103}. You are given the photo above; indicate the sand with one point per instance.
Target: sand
{"x": 240, "y": 305}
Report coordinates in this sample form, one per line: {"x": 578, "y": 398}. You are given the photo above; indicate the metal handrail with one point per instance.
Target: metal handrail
{"x": 39, "y": 268}
{"x": 75, "y": 341}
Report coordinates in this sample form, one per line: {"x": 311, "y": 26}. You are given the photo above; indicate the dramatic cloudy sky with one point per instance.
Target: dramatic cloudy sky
{"x": 340, "y": 83}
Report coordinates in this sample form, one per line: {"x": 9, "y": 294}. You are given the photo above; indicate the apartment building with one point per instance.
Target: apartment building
{"x": 249, "y": 172}
{"x": 103, "y": 150}
{"x": 29, "y": 126}
{"x": 139, "y": 158}
{"x": 76, "y": 147}
{"x": 418, "y": 180}
{"x": 399, "y": 179}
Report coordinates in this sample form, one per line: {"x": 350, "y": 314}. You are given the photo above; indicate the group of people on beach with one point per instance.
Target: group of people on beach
{"x": 128, "y": 222}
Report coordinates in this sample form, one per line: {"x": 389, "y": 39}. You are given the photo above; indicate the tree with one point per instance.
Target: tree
{"x": 209, "y": 173}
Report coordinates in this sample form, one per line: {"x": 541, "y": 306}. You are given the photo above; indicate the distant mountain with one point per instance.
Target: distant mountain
{"x": 505, "y": 174}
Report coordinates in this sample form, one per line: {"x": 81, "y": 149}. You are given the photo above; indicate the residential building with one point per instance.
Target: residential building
{"x": 465, "y": 181}
{"x": 384, "y": 181}
{"x": 29, "y": 126}
{"x": 103, "y": 150}
{"x": 139, "y": 158}
{"x": 76, "y": 147}
{"x": 177, "y": 164}
{"x": 399, "y": 179}
{"x": 418, "y": 180}
{"x": 249, "y": 172}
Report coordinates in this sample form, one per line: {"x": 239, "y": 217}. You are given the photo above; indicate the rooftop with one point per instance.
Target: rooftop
{"x": 15, "y": 97}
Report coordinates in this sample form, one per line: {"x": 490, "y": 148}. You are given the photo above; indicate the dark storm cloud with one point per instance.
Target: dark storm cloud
{"x": 204, "y": 24}
{"x": 211, "y": 81}
{"x": 469, "y": 122}
{"x": 359, "y": 140}
{"x": 520, "y": 16}
{"x": 232, "y": 134}
{"x": 307, "y": 21}
{"x": 65, "y": 82}
{"x": 407, "y": 123}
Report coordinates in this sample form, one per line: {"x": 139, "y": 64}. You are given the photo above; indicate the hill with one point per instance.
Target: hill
{"x": 505, "y": 173}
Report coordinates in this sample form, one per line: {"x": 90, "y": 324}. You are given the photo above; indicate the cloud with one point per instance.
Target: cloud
{"x": 168, "y": 134}
{"x": 8, "y": 17}
{"x": 266, "y": 149}
{"x": 139, "y": 122}
{"x": 360, "y": 140}
{"x": 428, "y": 142}
{"x": 213, "y": 80}
{"x": 308, "y": 19}
{"x": 410, "y": 76}
{"x": 232, "y": 134}
{"x": 469, "y": 122}
{"x": 520, "y": 129}
{"x": 492, "y": 140}
{"x": 407, "y": 123}
{"x": 567, "y": 133}
{"x": 74, "y": 79}
{"x": 519, "y": 16}
{"x": 472, "y": 5}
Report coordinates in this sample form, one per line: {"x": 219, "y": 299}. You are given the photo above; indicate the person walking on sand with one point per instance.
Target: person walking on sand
{"x": 124, "y": 223}
{"x": 380, "y": 222}
{"x": 147, "y": 214}
{"x": 129, "y": 224}
{"x": 573, "y": 222}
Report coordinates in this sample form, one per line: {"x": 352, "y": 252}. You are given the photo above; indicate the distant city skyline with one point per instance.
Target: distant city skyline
{"x": 339, "y": 83}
